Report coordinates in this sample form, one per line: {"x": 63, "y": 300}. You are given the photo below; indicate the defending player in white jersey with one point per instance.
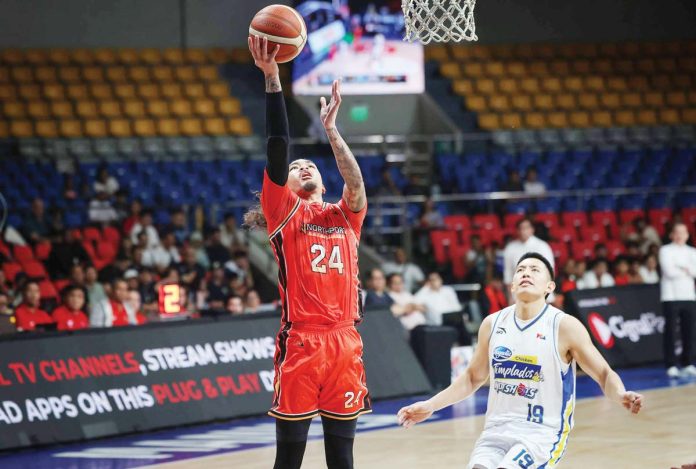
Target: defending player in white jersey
{"x": 529, "y": 351}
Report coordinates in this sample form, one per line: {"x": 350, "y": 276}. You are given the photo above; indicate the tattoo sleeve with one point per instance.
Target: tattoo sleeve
{"x": 273, "y": 84}
{"x": 354, "y": 189}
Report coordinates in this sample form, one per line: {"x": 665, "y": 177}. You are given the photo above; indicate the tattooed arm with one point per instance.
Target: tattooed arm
{"x": 354, "y": 188}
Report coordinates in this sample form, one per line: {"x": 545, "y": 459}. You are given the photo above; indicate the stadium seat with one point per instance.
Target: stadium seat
{"x": 11, "y": 269}
{"x": 563, "y": 234}
{"x": 549, "y": 220}
{"x": 615, "y": 248}
{"x": 23, "y": 253}
{"x": 91, "y": 234}
{"x": 581, "y": 250}
{"x": 42, "y": 250}
{"x": 34, "y": 269}
{"x": 574, "y": 219}
{"x": 560, "y": 252}
{"x": 594, "y": 233}
{"x": 658, "y": 218}
{"x": 47, "y": 290}
{"x": 457, "y": 222}
{"x": 628, "y": 215}
{"x": 607, "y": 219}
{"x": 443, "y": 243}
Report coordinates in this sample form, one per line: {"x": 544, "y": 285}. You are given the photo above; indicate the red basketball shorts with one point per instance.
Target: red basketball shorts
{"x": 319, "y": 371}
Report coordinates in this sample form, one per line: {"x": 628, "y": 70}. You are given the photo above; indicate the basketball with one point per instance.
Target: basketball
{"x": 282, "y": 25}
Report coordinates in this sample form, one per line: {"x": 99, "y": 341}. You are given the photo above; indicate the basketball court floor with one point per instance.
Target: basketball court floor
{"x": 605, "y": 436}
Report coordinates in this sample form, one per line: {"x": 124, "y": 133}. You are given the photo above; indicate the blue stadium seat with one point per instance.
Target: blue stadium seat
{"x": 549, "y": 205}
{"x": 629, "y": 202}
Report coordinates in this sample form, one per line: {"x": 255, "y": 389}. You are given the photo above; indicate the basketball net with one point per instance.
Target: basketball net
{"x": 439, "y": 20}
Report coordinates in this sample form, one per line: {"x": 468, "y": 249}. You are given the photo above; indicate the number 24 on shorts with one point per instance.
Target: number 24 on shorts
{"x": 351, "y": 399}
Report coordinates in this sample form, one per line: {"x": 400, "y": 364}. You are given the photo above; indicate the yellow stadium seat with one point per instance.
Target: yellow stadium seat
{"x": 46, "y": 74}
{"x": 587, "y": 50}
{"x": 667, "y": 65}
{"x": 502, "y": 51}
{"x": 38, "y": 110}
{"x": 215, "y": 126}
{"x": 241, "y": 55}
{"x": 196, "y": 90}
{"x": 22, "y": 74}
{"x": 625, "y": 118}
{"x": 579, "y": 119}
{"x": 82, "y": 56}
{"x": 472, "y": 69}
{"x": 646, "y": 66}
{"x": 139, "y": 74}
{"x": 110, "y": 109}
{"x": 134, "y": 108}
{"x": 144, "y": 128}
{"x": 204, "y": 108}
{"x": 535, "y": 120}
{"x": 240, "y": 126}
{"x": 545, "y": 51}
{"x": 581, "y": 67}
{"x": 30, "y": 91}
{"x": 594, "y": 83}
{"x": 488, "y": 121}
{"x": 610, "y": 100}
{"x": 652, "y": 49}
{"x": 93, "y": 74}
{"x": 218, "y": 90}
{"x": 525, "y": 51}
{"x": 494, "y": 69}
{"x": 516, "y": 69}
{"x": 21, "y": 128}
{"x": 207, "y": 73}
{"x": 602, "y": 66}
{"x": 62, "y": 109}
{"x": 522, "y": 102}
{"x": 654, "y": 99}
{"x": 58, "y": 56}
{"x": 77, "y": 91}
{"x": 46, "y": 129}
{"x": 69, "y": 74}
{"x": 173, "y": 56}
{"x": 4, "y": 129}
{"x": 638, "y": 83}
{"x": 148, "y": 91}
{"x": 36, "y": 56}
{"x": 608, "y": 49}
{"x": 558, "y": 119}
{"x": 70, "y": 128}
{"x": 168, "y": 127}
{"x": 195, "y": 56}
{"x": 689, "y": 115}
{"x": 538, "y": 68}
{"x": 629, "y": 49}
{"x": 588, "y": 101}
{"x": 682, "y": 81}
{"x": 117, "y": 74}
{"x": 508, "y": 85}
{"x": 667, "y": 116}
{"x": 481, "y": 52}
{"x": 676, "y": 99}
{"x": 163, "y": 73}
{"x": 511, "y": 120}
{"x": 476, "y": 103}
{"x": 170, "y": 90}
{"x": 662, "y": 82}
{"x": 573, "y": 84}
{"x": 191, "y": 127}
{"x": 543, "y": 102}
{"x": 180, "y": 108}
{"x": 101, "y": 91}
{"x": 12, "y": 56}
{"x": 86, "y": 109}
{"x": 602, "y": 119}
{"x": 566, "y": 101}
{"x": 485, "y": 86}
{"x": 632, "y": 100}
{"x": 616, "y": 84}
{"x": 185, "y": 74}
{"x": 127, "y": 56}
{"x": 124, "y": 91}
{"x": 529, "y": 85}
{"x": 646, "y": 117}
{"x": 96, "y": 128}
{"x": 122, "y": 128}
{"x": 552, "y": 85}
{"x": 499, "y": 102}
{"x": 625, "y": 67}
{"x": 157, "y": 108}
{"x": 54, "y": 92}
{"x": 450, "y": 70}
{"x": 463, "y": 87}
{"x": 559, "y": 67}
{"x": 14, "y": 109}
{"x": 459, "y": 52}
{"x": 105, "y": 56}
{"x": 218, "y": 55}
{"x": 229, "y": 107}
{"x": 8, "y": 91}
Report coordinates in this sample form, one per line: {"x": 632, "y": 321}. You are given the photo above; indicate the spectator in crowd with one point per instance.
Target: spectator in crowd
{"x": 601, "y": 251}
{"x": 196, "y": 243}
{"x": 252, "y": 303}
{"x": 121, "y": 206}
{"x": 580, "y": 271}
{"x": 65, "y": 253}
{"x": 494, "y": 295}
{"x": 387, "y": 186}
{"x": 634, "y": 271}
{"x": 148, "y": 291}
{"x": 135, "y": 302}
{"x": 131, "y": 278}
{"x": 217, "y": 252}
{"x": 125, "y": 248}
{"x": 217, "y": 287}
{"x": 438, "y": 299}
{"x": 95, "y": 290}
{"x": 514, "y": 182}
{"x": 36, "y": 225}
{"x": 632, "y": 249}
{"x": 77, "y": 276}
{"x": 648, "y": 271}
{"x": 190, "y": 270}
{"x": 377, "y": 296}
{"x": 645, "y": 235}
{"x": 164, "y": 254}
{"x": 568, "y": 277}
{"x": 178, "y": 226}
{"x": 532, "y": 185}
{"x": 29, "y": 314}
{"x": 7, "y": 318}
{"x": 55, "y": 222}
{"x": 678, "y": 296}
{"x": 237, "y": 287}
{"x": 230, "y": 235}
{"x": 621, "y": 272}
{"x": 69, "y": 189}
{"x": 114, "y": 311}
{"x": 115, "y": 270}
{"x": 144, "y": 224}
{"x": 240, "y": 266}
{"x": 525, "y": 242}
{"x": 411, "y": 275}
{"x": 406, "y": 307}
{"x": 105, "y": 184}
{"x": 70, "y": 315}
{"x": 234, "y": 305}
{"x": 415, "y": 187}
{"x": 477, "y": 261}
{"x": 136, "y": 208}
{"x": 430, "y": 217}
{"x": 598, "y": 277}
{"x": 5, "y": 286}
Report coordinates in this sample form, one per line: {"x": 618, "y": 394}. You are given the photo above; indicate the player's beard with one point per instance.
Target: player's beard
{"x": 309, "y": 187}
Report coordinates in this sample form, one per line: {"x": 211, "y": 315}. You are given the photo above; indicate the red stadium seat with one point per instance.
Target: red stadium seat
{"x": 60, "y": 284}
{"x": 574, "y": 218}
{"x": 659, "y": 218}
{"x": 43, "y": 250}
{"x": 606, "y": 218}
{"x": 23, "y": 253}
{"x": 11, "y": 269}
{"x": 48, "y": 291}
{"x": 581, "y": 250}
{"x": 76, "y": 234}
{"x": 510, "y": 220}
{"x": 560, "y": 252}
{"x": 112, "y": 235}
{"x": 689, "y": 215}
{"x": 487, "y": 221}
{"x": 614, "y": 249}
{"x": 5, "y": 250}
{"x": 459, "y": 262}
{"x": 563, "y": 234}
{"x": 444, "y": 243}
{"x": 34, "y": 269}
{"x": 628, "y": 215}
{"x": 457, "y": 222}
{"x": 594, "y": 233}
{"x": 549, "y": 220}
{"x": 106, "y": 251}
{"x": 91, "y": 234}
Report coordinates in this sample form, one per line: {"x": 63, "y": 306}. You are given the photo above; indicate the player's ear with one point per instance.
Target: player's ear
{"x": 323, "y": 189}
{"x": 550, "y": 287}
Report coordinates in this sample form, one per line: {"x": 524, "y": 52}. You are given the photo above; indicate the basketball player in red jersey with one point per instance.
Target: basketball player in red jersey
{"x": 318, "y": 360}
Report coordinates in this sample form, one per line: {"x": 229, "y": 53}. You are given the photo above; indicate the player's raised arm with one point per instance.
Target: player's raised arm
{"x": 354, "y": 188}
{"x": 464, "y": 386}
{"x": 578, "y": 343}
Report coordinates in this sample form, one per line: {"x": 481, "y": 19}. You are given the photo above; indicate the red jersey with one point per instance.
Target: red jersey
{"x": 68, "y": 320}
{"x": 28, "y": 318}
{"x": 120, "y": 314}
{"x": 316, "y": 247}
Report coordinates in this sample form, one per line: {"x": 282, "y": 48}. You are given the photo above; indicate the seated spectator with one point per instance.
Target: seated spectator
{"x": 100, "y": 210}
{"x": 430, "y": 216}
{"x": 477, "y": 261}
{"x": 115, "y": 270}
{"x": 114, "y": 311}
{"x": 144, "y": 224}
{"x": 70, "y": 315}
{"x": 234, "y": 305}
{"x": 131, "y": 278}
{"x": 65, "y": 253}
{"x": 217, "y": 252}
{"x": 406, "y": 307}
{"x": 29, "y": 314}
{"x": 252, "y": 303}
{"x": 494, "y": 295}
{"x": 135, "y": 303}
{"x": 105, "y": 184}
{"x": 163, "y": 255}
{"x": 648, "y": 271}
{"x": 645, "y": 235}
{"x": 77, "y": 276}
{"x": 230, "y": 235}
{"x": 36, "y": 225}
{"x": 121, "y": 206}
{"x": 532, "y": 185}
{"x": 196, "y": 243}
{"x": 218, "y": 288}
{"x": 240, "y": 267}
{"x": 95, "y": 290}
{"x": 136, "y": 208}
{"x": 410, "y": 273}
{"x": 7, "y": 318}
{"x": 387, "y": 186}
{"x": 148, "y": 291}
{"x": 580, "y": 271}
{"x": 438, "y": 299}
{"x": 514, "y": 182}
{"x": 634, "y": 272}
{"x": 178, "y": 226}
{"x": 190, "y": 270}
{"x": 236, "y": 286}
{"x": 601, "y": 251}
{"x": 621, "y": 274}
{"x": 69, "y": 189}
{"x": 377, "y": 296}
{"x": 598, "y": 277}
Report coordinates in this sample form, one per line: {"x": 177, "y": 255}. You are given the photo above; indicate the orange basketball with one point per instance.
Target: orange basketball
{"x": 282, "y": 25}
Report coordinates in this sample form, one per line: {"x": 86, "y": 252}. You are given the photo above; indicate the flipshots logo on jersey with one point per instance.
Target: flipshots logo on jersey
{"x": 509, "y": 367}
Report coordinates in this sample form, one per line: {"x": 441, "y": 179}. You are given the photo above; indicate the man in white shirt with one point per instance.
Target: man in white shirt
{"x": 678, "y": 295}
{"x": 406, "y": 307}
{"x": 411, "y": 274}
{"x": 438, "y": 299}
{"x": 598, "y": 277}
{"x": 525, "y": 243}
{"x": 162, "y": 255}
{"x": 145, "y": 224}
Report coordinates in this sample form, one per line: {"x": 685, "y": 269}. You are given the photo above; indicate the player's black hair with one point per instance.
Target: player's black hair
{"x": 536, "y": 255}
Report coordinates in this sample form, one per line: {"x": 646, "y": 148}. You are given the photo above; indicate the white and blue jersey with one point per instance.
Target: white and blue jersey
{"x": 532, "y": 394}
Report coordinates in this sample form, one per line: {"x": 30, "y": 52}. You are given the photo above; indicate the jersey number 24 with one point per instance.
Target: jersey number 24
{"x": 319, "y": 253}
